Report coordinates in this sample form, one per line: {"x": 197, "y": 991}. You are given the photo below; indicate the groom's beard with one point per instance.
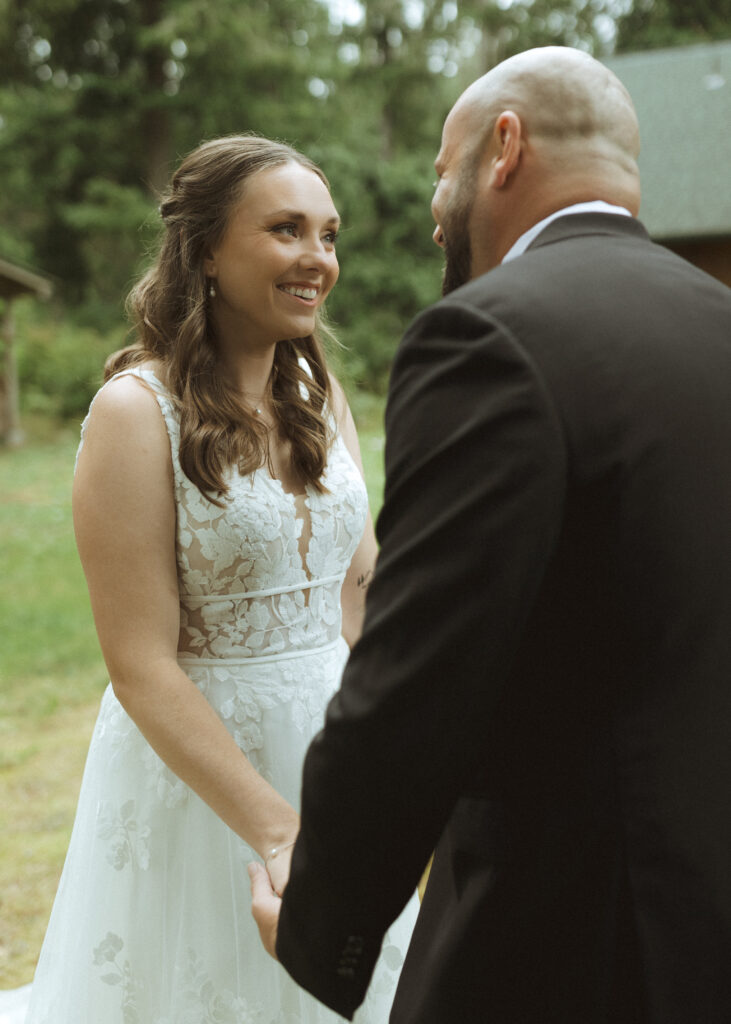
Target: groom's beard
{"x": 456, "y": 231}
{"x": 457, "y": 261}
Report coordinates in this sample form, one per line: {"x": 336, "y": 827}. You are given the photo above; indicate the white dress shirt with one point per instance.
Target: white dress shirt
{"x": 596, "y": 206}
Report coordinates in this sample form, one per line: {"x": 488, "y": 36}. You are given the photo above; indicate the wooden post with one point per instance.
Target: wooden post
{"x": 11, "y": 432}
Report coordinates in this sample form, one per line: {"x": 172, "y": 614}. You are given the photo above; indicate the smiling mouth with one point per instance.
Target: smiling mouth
{"x": 299, "y": 292}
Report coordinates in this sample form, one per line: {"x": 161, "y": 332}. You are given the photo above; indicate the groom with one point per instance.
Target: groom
{"x": 543, "y": 686}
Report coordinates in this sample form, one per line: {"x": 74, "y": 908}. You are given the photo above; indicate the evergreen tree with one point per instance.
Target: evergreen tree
{"x": 100, "y": 98}
{"x": 662, "y": 23}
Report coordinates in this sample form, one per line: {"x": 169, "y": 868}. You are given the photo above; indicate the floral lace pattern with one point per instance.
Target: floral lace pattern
{"x": 127, "y": 839}
{"x": 206, "y": 1004}
{"x": 247, "y": 589}
{"x": 106, "y": 956}
{"x": 152, "y": 923}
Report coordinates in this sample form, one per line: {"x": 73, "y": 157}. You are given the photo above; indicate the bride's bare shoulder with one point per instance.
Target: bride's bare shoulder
{"x": 126, "y": 407}
{"x": 125, "y": 436}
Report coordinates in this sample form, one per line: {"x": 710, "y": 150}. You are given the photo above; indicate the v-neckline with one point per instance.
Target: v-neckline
{"x": 302, "y": 513}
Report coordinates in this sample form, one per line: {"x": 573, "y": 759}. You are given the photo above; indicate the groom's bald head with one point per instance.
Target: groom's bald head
{"x": 564, "y": 98}
{"x": 542, "y": 130}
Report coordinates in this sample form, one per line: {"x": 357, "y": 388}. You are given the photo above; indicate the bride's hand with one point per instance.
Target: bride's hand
{"x": 277, "y": 863}
{"x": 265, "y": 907}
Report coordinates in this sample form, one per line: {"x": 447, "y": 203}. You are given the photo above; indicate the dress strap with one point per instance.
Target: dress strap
{"x": 164, "y": 400}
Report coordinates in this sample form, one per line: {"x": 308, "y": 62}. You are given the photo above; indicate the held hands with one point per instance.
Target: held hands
{"x": 267, "y": 886}
{"x": 277, "y": 863}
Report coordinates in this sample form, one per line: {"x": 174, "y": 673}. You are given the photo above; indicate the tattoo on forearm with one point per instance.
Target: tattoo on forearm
{"x": 364, "y": 579}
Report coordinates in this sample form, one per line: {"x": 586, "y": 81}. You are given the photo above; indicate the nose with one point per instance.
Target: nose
{"x": 318, "y": 262}
{"x": 438, "y": 236}
{"x": 317, "y": 255}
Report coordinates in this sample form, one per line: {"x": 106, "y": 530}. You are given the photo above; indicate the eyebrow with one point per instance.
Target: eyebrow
{"x": 298, "y": 216}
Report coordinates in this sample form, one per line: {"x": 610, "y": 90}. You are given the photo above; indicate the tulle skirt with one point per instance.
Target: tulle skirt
{"x": 152, "y": 920}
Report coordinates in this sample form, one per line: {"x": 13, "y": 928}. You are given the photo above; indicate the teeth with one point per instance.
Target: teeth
{"x": 303, "y": 293}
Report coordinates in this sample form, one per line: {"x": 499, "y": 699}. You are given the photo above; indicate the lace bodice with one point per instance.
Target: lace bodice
{"x": 261, "y": 577}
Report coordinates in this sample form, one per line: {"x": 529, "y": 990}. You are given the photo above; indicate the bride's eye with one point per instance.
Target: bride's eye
{"x": 285, "y": 229}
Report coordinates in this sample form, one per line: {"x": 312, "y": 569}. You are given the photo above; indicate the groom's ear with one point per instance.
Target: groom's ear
{"x": 506, "y": 145}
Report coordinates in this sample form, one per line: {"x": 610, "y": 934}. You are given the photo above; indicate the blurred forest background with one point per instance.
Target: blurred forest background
{"x": 98, "y": 101}
{"x": 100, "y": 98}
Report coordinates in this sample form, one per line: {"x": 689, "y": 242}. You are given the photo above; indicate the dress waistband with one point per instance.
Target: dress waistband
{"x": 268, "y": 659}
{"x": 198, "y": 599}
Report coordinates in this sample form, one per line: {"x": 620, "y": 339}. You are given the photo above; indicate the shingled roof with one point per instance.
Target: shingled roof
{"x": 683, "y": 101}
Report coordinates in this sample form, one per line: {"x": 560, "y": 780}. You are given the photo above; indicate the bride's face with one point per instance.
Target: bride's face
{"x": 276, "y": 262}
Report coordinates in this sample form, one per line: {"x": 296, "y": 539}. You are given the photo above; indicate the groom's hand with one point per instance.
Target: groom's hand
{"x": 265, "y": 906}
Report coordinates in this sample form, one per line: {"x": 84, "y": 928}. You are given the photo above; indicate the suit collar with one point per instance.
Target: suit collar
{"x": 577, "y": 224}
{"x": 594, "y": 206}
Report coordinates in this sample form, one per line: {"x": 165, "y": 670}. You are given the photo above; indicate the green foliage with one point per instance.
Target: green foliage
{"x": 650, "y": 24}
{"x": 116, "y": 226}
{"x": 100, "y": 98}
{"x": 15, "y": 248}
{"x": 390, "y": 265}
{"x": 59, "y": 362}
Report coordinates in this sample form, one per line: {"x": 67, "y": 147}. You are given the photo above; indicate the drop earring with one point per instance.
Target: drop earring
{"x": 212, "y": 290}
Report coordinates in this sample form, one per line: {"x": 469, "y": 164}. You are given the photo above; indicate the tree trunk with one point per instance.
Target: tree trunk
{"x": 156, "y": 119}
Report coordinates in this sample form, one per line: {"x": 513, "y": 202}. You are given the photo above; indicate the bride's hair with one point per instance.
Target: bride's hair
{"x": 170, "y": 312}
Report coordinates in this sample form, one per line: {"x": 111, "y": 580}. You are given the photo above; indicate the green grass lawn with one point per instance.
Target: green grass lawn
{"x": 51, "y": 678}
{"x": 369, "y": 419}
{"x": 52, "y": 674}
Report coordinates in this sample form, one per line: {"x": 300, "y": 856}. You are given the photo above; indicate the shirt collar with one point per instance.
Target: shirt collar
{"x": 596, "y": 206}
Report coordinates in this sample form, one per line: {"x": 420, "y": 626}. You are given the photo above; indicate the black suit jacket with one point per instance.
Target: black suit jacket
{"x": 544, "y": 677}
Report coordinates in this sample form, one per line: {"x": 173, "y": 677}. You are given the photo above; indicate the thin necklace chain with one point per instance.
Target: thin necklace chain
{"x": 257, "y": 406}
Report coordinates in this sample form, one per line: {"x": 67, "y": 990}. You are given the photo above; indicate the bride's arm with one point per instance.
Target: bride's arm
{"x": 124, "y": 518}
{"x": 363, "y": 562}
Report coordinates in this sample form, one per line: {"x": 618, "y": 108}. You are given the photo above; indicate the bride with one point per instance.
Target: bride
{"x": 221, "y": 519}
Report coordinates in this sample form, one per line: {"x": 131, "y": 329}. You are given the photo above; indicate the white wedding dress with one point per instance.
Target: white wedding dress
{"x": 152, "y": 921}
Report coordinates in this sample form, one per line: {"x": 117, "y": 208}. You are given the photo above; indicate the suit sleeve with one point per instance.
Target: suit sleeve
{"x": 475, "y": 471}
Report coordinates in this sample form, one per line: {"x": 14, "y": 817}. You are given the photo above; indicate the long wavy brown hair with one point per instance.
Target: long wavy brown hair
{"x": 170, "y": 313}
